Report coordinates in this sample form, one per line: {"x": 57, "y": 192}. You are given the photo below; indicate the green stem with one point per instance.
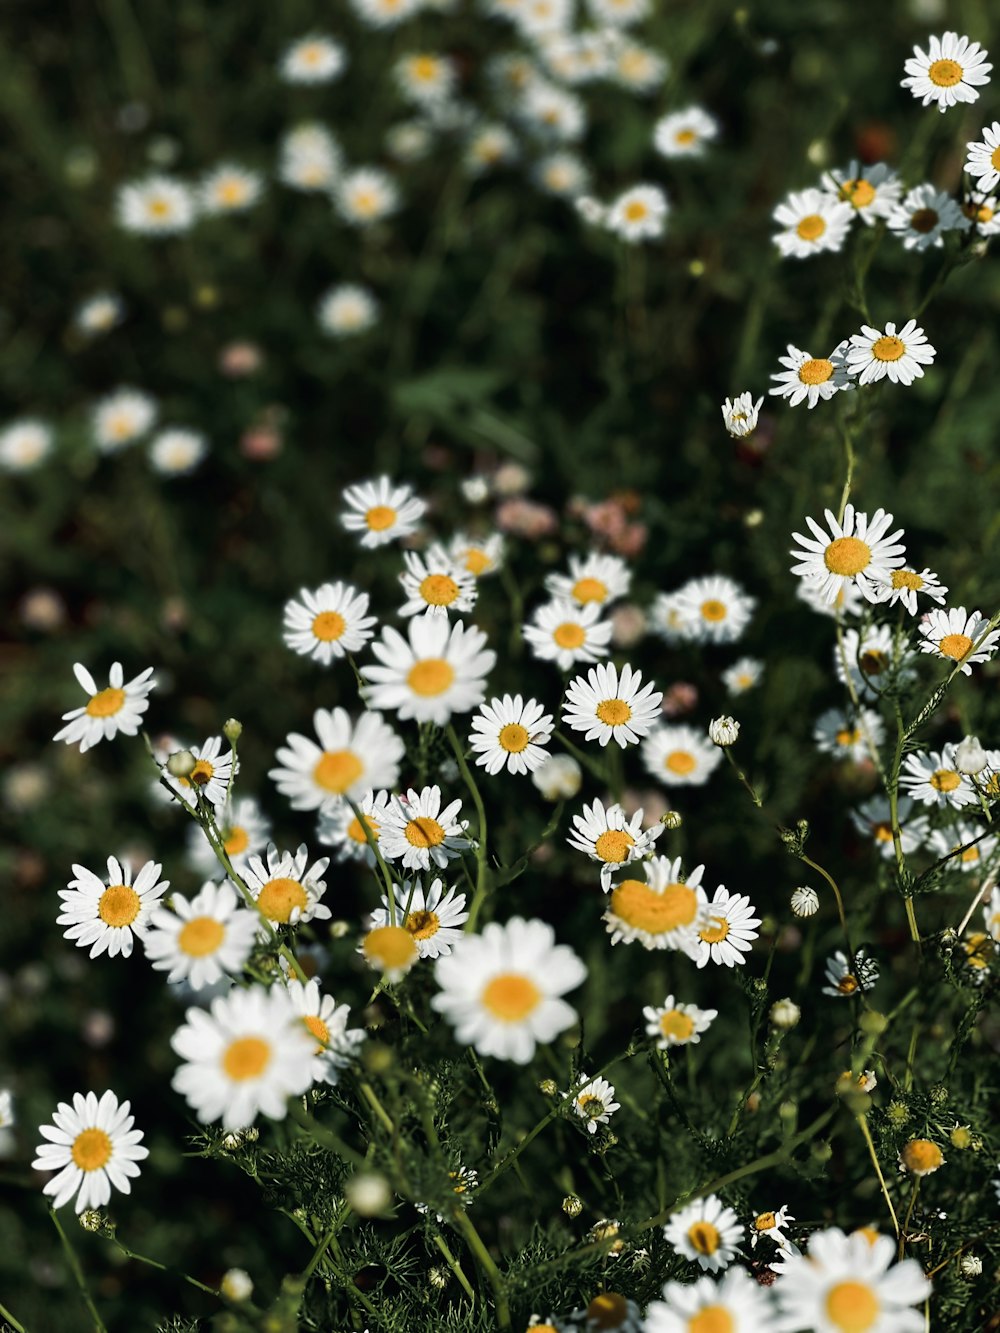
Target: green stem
{"x": 379, "y": 859}
{"x": 863, "y": 1122}
{"x": 455, "y": 1267}
{"x": 322, "y": 1135}
{"x": 462, "y": 1223}
{"x": 14, "y": 1323}
{"x": 77, "y": 1271}
{"x": 902, "y": 1234}
{"x": 482, "y": 866}
{"x": 154, "y": 1263}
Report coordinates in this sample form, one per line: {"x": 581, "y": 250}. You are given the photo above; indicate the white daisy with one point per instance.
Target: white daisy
{"x": 595, "y": 1102}
{"x": 156, "y": 206}
{"x": 932, "y": 778}
{"x": 903, "y": 585}
{"x": 594, "y": 578}
{"x": 335, "y": 1044}
{"x": 230, "y": 188}
{"x": 416, "y": 830}
{"x": 175, "y": 453}
{"x": 366, "y": 195}
{"x": 92, "y": 1146}
{"x": 638, "y": 68}
{"x": 612, "y": 705}
{"x": 983, "y": 211}
{"x": 706, "y": 1232}
{"x": 735, "y": 1303}
{"x": 435, "y": 586}
{"x": 433, "y": 918}
{"x": 426, "y": 78}
{"x": 714, "y": 608}
{"x": 502, "y": 990}
{"x": 121, "y": 418}
{"x": 339, "y": 827}
{"x": 106, "y": 915}
{"x": 942, "y": 842}
{"x": 983, "y": 160}
{"x": 346, "y": 310}
{"x": 566, "y": 633}
{"x": 384, "y": 13}
{"x": 902, "y": 356}
{"x": 953, "y": 634}
{"x": 743, "y": 675}
{"x": 536, "y": 17}
{"x": 249, "y": 1053}
{"x": 409, "y": 141}
{"x": 812, "y": 220}
{"x": 874, "y": 818}
{"x": 286, "y": 889}
{"x": 685, "y": 133}
{"x": 872, "y": 191}
{"x": 730, "y": 930}
{"x": 488, "y": 147}
{"x": 24, "y": 444}
{"x": 559, "y": 778}
{"x": 100, "y": 313}
{"x": 479, "y": 555}
{"x": 924, "y": 217}
{"x": 311, "y": 158}
{"x": 875, "y": 658}
{"x": 119, "y": 708}
{"x": 312, "y": 59}
{"x": 847, "y": 602}
{"x": 328, "y": 621}
{"x": 610, "y": 837}
{"x": 576, "y": 58}
{"x": 562, "y": 174}
{"x": 663, "y": 911}
{"x": 382, "y": 511}
{"x": 639, "y": 214}
{"x": 675, "y": 1024}
{"x": 808, "y": 378}
{"x": 948, "y": 72}
{"x": 859, "y": 550}
{"x": 511, "y": 733}
{"x": 668, "y": 622}
{"x": 201, "y": 940}
{"x": 351, "y": 759}
{"x": 553, "y": 113}
{"x": 680, "y": 756}
{"x": 845, "y": 978}
{"x": 438, "y": 670}
{"x": 848, "y": 737}
{"x": 243, "y": 828}
{"x": 771, "y": 1225}
{"x": 740, "y": 414}
{"x": 210, "y": 778}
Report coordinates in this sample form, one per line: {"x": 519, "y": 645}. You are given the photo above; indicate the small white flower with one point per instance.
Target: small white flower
{"x": 740, "y": 414}
{"x": 945, "y": 842}
{"x": 785, "y": 1014}
{"x": 675, "y": 1024}
{"x": 348, "y": 758}
{"x": 433, "y": 918}
{"x": 438, "y": 670}
{"x": 311, "y": 158}
{"x": 382, "y": 511}
{"x": 325, "y": 1021}
{"x": 812, "y": 221}
{"x": 933, "y": 778}
{"x": 639, "y": 214}
{"x": 735, "y": 1303}
{"x": 118, "y": 708}
{"x": 24, "y": 444}
{"x": 286, "y": 889}
{"x": 558, "y": 778}
{"x": 805, "y": 901}
{"x": 156, "y": 206}
{"x": 562, "y": 174}
{"x": 958, "y": 636}
{"x": 339, "y": 827}
{"x": 663, "y": 911}
{"x": 346, "y": 310}
{"x": 366, "y": 195}
{"x": 730, "y": 929}
{"x": 771, "y": 1226}
{"x": 680, "y": 756}
{"x": 600, "y": 579}
{"x": 845, "y": 978}
{"x": 567, "y": 633}
{"x": 426, "y": 78}
{"x": 175, "y": 453}
{"x": 209, "y": 777}
{"x": 859, "y": 550}
{"x": 327, "y": 622}
{"x": 92, "y": 1147}
{"x": 594, "y": 1103}
{"x": 511, "y": 733}
{"x": 706, "y": 1233}
{"x": 685, "y": 133}
{"x": 810, "y": 379}
{"x": 121, "y": 418}
{"x": 201, "y": 940}
{"x": 948, "y": 72}
{"x": 874, "y": 818}
{"x": 609, "y": 705}
{"x": 743, "y": 675}
{"x": 99, "y": 314}
{"x": 611, "y": 838}
{"x": 435, "y": 585}
{"x": 313, "y": 59}
{"x": 924, "y": 216}
{"x": 901, "y": 356}
{"x": 723, "y": 731}
{"x": 107, "y": 915}
{"x": 970, "y": 757}
{"x": 848, "y": 737}
{"x": 713, "y": 609}
{"x": 230, "y": 189}
{"x": 873, "y": 660}
{"x": 416, "y": 830}
{"x": 903, "y": 585}
{"x": 872, "y": 191}
{"x": 983, "y": 160}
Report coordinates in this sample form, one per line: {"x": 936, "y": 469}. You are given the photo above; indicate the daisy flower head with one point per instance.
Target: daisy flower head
{"x": 637, "y": 67}
{"x": 230, "y": 188}
{"x": 847, "y": 602}
{"x": 983, "y": 211}
{"x": 903, "y": 585}
{"x": 382, "y": 511}
{"x": 610, "y": 837}
{"x": 535, "y": 18}
{"x": 327, "y": 622}
{"x": 346, "y": 310}
{"x": 705, "y": 1232}
{"x": 811, "y": 221}
{"x": 849, "y": 1283}
{"x": 247, "y": 1054}
{"x": 595, "y": 1102}
{"x": 874, "y": 818}
{"x": 480, "y": 556}
{"x": 433, "y": 918}
{"x": 175, "y": 453}
{"x": 92, "y": 1146}
{"x": 409, "y": 141}
{"x": 668, "y": 621}
{"x": 740, "y": 415}
{"x": 435, "y": 585}
{"x": 390, "y": 950}
{"x": 511, "y": 733}
{"x": 609, "y": 1312}
{"x": 873, "y": 355}
{"x": 488, "y": 147}
{"x": 209, "y": 778}
{"x": 335, "y": 1044}
{"x": 352, "y": 758}
{"x": 949, "y": 71}
{"x": 502, "y": 990}
{"x": 553, "y": 113}
{"x": 743, "y": 675}
{"x": 859, "y": 550}
{"x": 715, "y": 609}
{"x": 924, "y": 216}
{"x": 566, "y": 633}
{"x": 601, "y": 579}
{"x": 810, "y": 379}
{"x": 771, "y": 1226}
{"x": 99, "y": 314}
{"x": 366, "y": 195}
{"x": 312, "y": 59}
{"x": 562, "y": 174}
{"x": 676, "y": 1024}
{"x": 384, "y": 13}
{"x": 730, "y": 928}
{"x": 848, "y": 737}
{"x": 664, "y": 911}
{"x": 121, "y": 418}
{"x": 416, "y": 830}
{"x": 612, "y": 705}
{"x": 118, "y": 708}
{"x": 106, "y": 915}
{"x": 558, "y": 778}
{"x": 201, "y": 940}
{"x": 685, "y": 133}
{"x": 872, "y": 191}
{"x": 24, "y": 444}
{"x": 680, "y": 756}
{"x": 156, "y": 206}
{"x": 958, "y": 636}
{"x": 339, "y": 827}
{"x": 426, "y": 78}
{"x": 438, "y": 670}
{"x": 639, "y": 214}
{"x": 243, "y": 828}
{"x": 944, "y": 842}
{"x": 310, "y": 158}
{"x": 734, "y": 1303}
{"x": 286, "y": 889}
{"x": 933, "y": 778}
{"x": 845, "y": 978}
{"x": 873, "y": 660}
{"x": 983, "y": 160}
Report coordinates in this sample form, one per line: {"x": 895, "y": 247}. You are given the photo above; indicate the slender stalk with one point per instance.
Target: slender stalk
{"x": 909, "y": 1213}
{"x": 463, "y": 1223}
{"x": 14, "y": 1323}
{"x": 77, "y": 1271}
{"x": 322, "y": 1135}
{"x": 807, "y": 860}
{"x": 863, "y": 1122}
{"x": 482, "y": 866}
{"x": 455, "y": 1267}
{"x": 379, "y": 858}
{"x": 154, "y": 1263}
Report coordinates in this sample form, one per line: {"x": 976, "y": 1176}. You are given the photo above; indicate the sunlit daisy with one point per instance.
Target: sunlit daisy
{"x": 847, "y": 602}
{"x": 230, "y": 189}
{"x": 949, "y": 71}
{"x": 346, "y": 310}
{"x": 511, "y": 733}
{"x": 488, "y": 147}
{"x": 339, "y": 827}
{"x": 24, "y": 444}
{"x": 99, "y": 314}
{"x": 730, "y": 930}
{"x": 417, "y": 831}
{"x": 715, "y": 609}
{"x": 563, "y": 174}
{"x": 286, "y": 888}
{"x": 848, "y": 737}
{"x": 566, "y": 633}
{"x": 872, "y": 191}
{"x": 311, "y": 158}
{"x": 106, "y": 915}
{"x": 733, "y": 1304}
{"x": 352, "y": 758}
{"x": 706, "y": 1232}
{"x": 874, "y": 818}
{"x": 502, "y": 990}
{"x": 209, "y": 778}
{"x": 639, "y": 214}
{"x": 481, "y": 556}
{"x": 612, "y": 705}
{"x": 685, "y": 133}
{"x": 118, "y": 708}
{"x": 313, "y": 59}
{"x": 771, "y": 1226}
{"x": 439, "y": 669}
{"x": 335, "y": 1044}
{"x": 845, "y": 978}
{"x": 366, "y": 195}
{"x": 201, "y": 940}
{"x": 611, "y": 838}
{"x": 435, "y": 585}
{"x": 328, "y": 621}
{"x": 92, "y": 1146}
{"x": 932, "y": 778}
{"x": 811, "y": 221}
{"x": 382, "y": 511}
{"x": 662, "y": 911}
{"x": 175, "y": 453}
{"x": 676, "y": 1024}
{"x": 121, "y": 418}
{"x": 901, "y": 356}
{"x": 668, "y": 621}
{"x": 595, "y": 1102}
{"x": 903, "y": 585}
{"x": 243, "y": 828}
{"x": 433, "y": 918}
{"x": 958, "y": 636}
{"x": 156, "y": 206}
{"x": 859, "y": 550}
{"x": 983, "y": 160}
{"x": 809, "y": 379}
{"x": 594, "y": 578}
{"x": 740, "y": 414}
{"x": 680, "y": 756}
{"x": 924, "y": 217}
{"x": 743, "y": 675}
{"x": 638, "y": 68}
{"x": 426, "y": 78}
{"x": 945, "y": 842}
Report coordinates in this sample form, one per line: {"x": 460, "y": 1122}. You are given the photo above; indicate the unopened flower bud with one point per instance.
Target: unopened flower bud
{"x": 572, "y": 1206}
{"x": 368, "y": 1193}
{"x": 970, "y": 1265}
{"x": 181, "y": 764}
{"x": 805, "y": 901}
{"x": 897, "y": 1112}
{"x": 970, "y": 757}
{"x": 232, "y": 730}
{"x": 236, "y": 1285}
{"x": 338, "y": 930}
{"x": 785, "y": 1014}
{"x": 723, "y": 731}
{"x": 960, "y": 1137}
{"x": 548, "y": 1087}
{"x": 92, "y": 1220}
{"x": 672, "y": 819}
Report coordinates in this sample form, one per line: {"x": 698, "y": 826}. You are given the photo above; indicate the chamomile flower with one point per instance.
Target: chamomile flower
{"x": 201, "y": 940}
{"x": 848, "y": 737}
{"x": 735, "y": 1303}
{"x": 384, "y": 13}
{"x": 489, "y": 146}
{"x": 286, "y": 888}
{"x": 566, "y": 633}
{"x": 352, "y": 758}
{"x": 809, "y": 379}
{"x": 639, "y": 214}
{"x": 175, "y": 453}
{"x": 311, "y": 158}
{"x": 92, "y": 1146}
{"x": 611, "y": 838}
{"x": 426, "y": 78}
{"x": 595, "y": 1102}
{"x": 594, "y": 578}
{"x": 685, "y": 133}
{"x": 118, "y": 708}
{"x": 612, "y": 705}
{"x": 328, "y": 621}
{"x": 680, "y": 756}
{"x": 958, "y": 636}
{"x": 638, "y": 68}
{"x": 705, "y": 1232}
{"x": 983, "y": 211}
{"x": 847, "y": 602}
{"x": 740, "y": 415}
{"x": 743, "y": 675}
{"x": 339, "y": 827}
{"x": 874, "y": 658}
{"x": 558, "y": 778}
{"x": 850, "y": 1282}
{"x": 668, "y": 621}
{"x": 983, "y": 160}
{"x": 618, "y": 13}
{"x": 416, "y": 830}
{"x": 366, "y": 195}
{"x": 562, "y": 174}
{"x": 535, "y": 18}
{"x": 715, "y": 609}
{"x": 433, "y": 918}
{"x": 502, "y": 990}
{"x": 924, "y": 216}
{"x": 676, "y": 1024}
{"x": 949, "y": 71}
{"x": 121, "y": 418}
{"x": 99, "y": 314}
{"x": 811, "y": 221}
{"x": 435, "y": 585}
{"x": 24, "y": 444}
{"x": 872, "y": 191}
{"x": 210, "y": 778}
{"x": 845, "y": 978}
{"x": 859, "y": 550}
{"x": 874, "y": 818}
{"x": 106, "y": 915}
{"x": 382, "y": 511}
{"x": 230, "y": 189}
{"x": 873, "y": 355}
{"x": 248, "y": 1054}
{"x": 313, "y": 59}
{"x": 346, "y": 310}
{"x": 511, "y": 733}
{"x": 663, "y": 911}
{"x": 903, "y": 585}
{"x": 771, "y": 1226}
{"x": 156, "y": 206}
{"x": 932, "y": 778}
{"x": 481, "y": 556}
{"x": 944, "y": 842}
{"x": 335, "y": 1044}
{"x": 730, "y": 928}
{"x": 439, "y": 669}
{"x": 609, "y": 1312}
{"x": 244, "y": 830}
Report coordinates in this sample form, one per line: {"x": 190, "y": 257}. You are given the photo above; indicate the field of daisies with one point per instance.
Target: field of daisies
{"x": 500, "y": 712}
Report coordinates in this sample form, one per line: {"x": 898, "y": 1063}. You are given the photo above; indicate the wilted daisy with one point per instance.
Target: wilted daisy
{"x": 566, "y": 633}
{"x": 924, "y": 216}
{"x": 106, "y": 915}
{"x": 426, "y": 78}
{"x": 743, "y": 675}
{"x": 249, "y": 1053}
{"x": 313, "y": 59}
{"x": 594, "y": 578}
{"x": 328, "y": 621}
{"x": 435, "y": 585}
{"x": 335, "y": 1044}
{"x": 92, "y": 1146}
{"x": 848, "y": 1283}
{"x": 210, "y": 777}
{"x": 286, "y": 888}
{"x": 339, "y": 827}
{"x": 675, "y": 1024}
{"x": 384, "y": 13}
{"x": 733, "y": 1304}
{"x": 511, "y": 733}
{"x": 174, "y": 453}
{"x": 595, "y": 1102}
{"x": 845, "y": 978}
{"x": 706, "y": 1232}
{"x": 848, "y": 737}
{"x": 366, "y": 195}
{"x": 901, "y": 356}
{"x": 903, "y": 585}
{"x": 347, "y": 309}
{"x": 201, "y": 940}
{"x": 100, "y": 313}
{"x": 771, "y": 1226}
{"x": 121, "y": 418}
{"x": 439, "y": 669}
{"x": 983, "y": 160}
{"x": 872, "y": 191}
{"x": 558, "y": 778}
{"x": 243, "y": 829}
{"x": 118, "y": 708}
{"x": 502, "y": 990}
{"x": 715, "y": 609}
{"x": 933, "y": 778}
{"x": 730, "y": 929}
{"x": 946, "y": 842}
{"x": 610, "y": 837}
{"x": 948, "y": 72}
{"x": 663, "y": 911}
{"x": 416, "y": 830}
{"x": 156, "y": 206}
{"x": 382, "y": 511}
{"x": 958, "y": 636}
{"x": 612, "y": 705}
{"x": 230, "y": 189}
{"x": 740, "y": 414}
{"x": 433, "y": 918}
{"x": 24, "y": 444}
{"x": 685, "y": 133}
{"x": 311, "y": 158}
{"x": 563, "y": 174}
{"x": 812, "y": 220}
{"x": 640, "y": 214}
{"x": 810, "y": 379}
{"x": 638, "y": 68}
{"x": 874, "y": 818}
{"x": 858, "y": 550}
{"x": 680, "y": 756}
{"x": 352, "y": 758}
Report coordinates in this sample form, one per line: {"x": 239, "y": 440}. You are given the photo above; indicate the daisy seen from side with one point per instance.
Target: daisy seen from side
{"x": 949, "y": 71}
{"x": 327, "y": 622}
{"x": 958, "y": 636}
{"x": 202, "y": 939}
{"x": 983, "y": 159}
{"x": 432, "y": 917}
{"x": 810, "y": 379}
{"x": 846, "y": 978}
{"x": 209, "y": 778}
{"x": 675, "y": 1024}
{"x": 105, "y": 916}
{"x": 904, "y": 584}
{"x": 662, "y": 911}
{"x": 740, "y": 414}
{"x": 771, "y": 1226}
{"x": 874, "y": 819}
{"x": 811, "y": 221}
{"x": 350, "y": 759}
{"x": 511, "y": 733}
{"x": 439, "y": 669}
{"x": 92, "y": 1147}
{"x": 335, "y": 1044}
{"x": 707, "y": 1233}
{"x": 481, "y": 556}
{"x": 743, "y": 675}
{"x": 680, "y": 756}
{"x": 382, "y": 511}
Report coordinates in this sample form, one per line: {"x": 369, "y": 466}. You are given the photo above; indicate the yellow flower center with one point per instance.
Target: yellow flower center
{"x": 954, "y": 645}
{"x": 713, "y": 610}
{"x": 366, "y": 203}
{"x": 639, "y": 905}
{"x": 945, "y": 779}
{"x": 847, "y": 984}
{"x": 106, "y": 703}
{"x": 328, "y": 626}
{"x": 847, "y": 556}
{"x": 816, "y": 371}
{"x": 715, "y": 931}
{"x": 922, "y": 1156}
{"x": 438, "y": 590}
{"x": 201, "y": 936}
{"x": 390, "y": 947}
{"x": 905, "y": 578}
{"x": 590, "y": 590}
{"x": 380, "y": 517}
{"x": 607, "y": 1311}
{"x": 680, "y": 762}
{"x": 159, "y": 208}
{"x": 476, "y": 561}
{"x": 246, "y": 1057}
{"x": 511, "y": 997}
{"x": 91, "y": 1150}
{"x": 422, "y": 925}
{"x": 199, "y": 776}
{"x": 978, "y": 950}
{"x": 635, "y": 211}
{"x": 888, "y": 348}
{"x": 424, "y": 68}
{"x": 237, "y": 840}
{"x": 677, "y": 1025}
{"x": 883, "y": 831}
{"x": 313, "y": 54}
{"x": 811, "y": 228}
{"x": 337, "y": 770}
{"x": 685, "y": 136}
{"x": 231, "y": 192}
{"x": 119, "y": 905}
{"x": 424, "y": 832}
{"x": 513, "y": 738}
{"x": 944, "y": 73}
{"x": 568, "y": 635}
{"x": 969, "y": 855}
{"x": 873, "y": 661}
{"x": 924, "y": 220}
{"x": 279, "y": 898}
{"x": 995, "y": 159}
{"x": 711, "y": 1319}
{"x": 613, "y": 845}
{"x": 847, "y": 737}
{"x": 984, "y": 213}
{"x": 765, "y": 1221}
{"x": 858, "y": 192}
{"x": 430, "y": 676}
{"x": 356, "y": 829}
{"x": 319, "y": 1030}
{"x": 853, "y": 1307}
{"x": 704, "y": 1237}
{"x": 613, "y": 712}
